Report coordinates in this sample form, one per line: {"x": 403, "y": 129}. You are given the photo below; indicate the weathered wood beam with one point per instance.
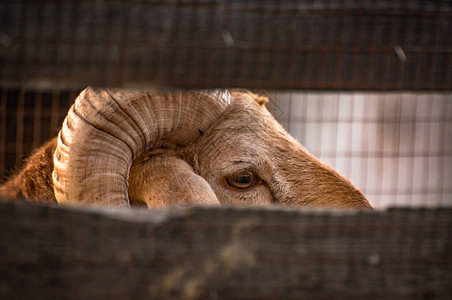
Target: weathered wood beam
{"x": 328, "y": 45}
{"x": 223, "y": 253}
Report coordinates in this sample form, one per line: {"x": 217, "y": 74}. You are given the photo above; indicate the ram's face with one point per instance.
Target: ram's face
{"x": 248, "y": 159}
{"x": 235, "y": 155}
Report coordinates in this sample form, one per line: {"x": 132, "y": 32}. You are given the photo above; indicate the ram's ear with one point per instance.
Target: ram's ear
{"x": 162, "y": 180}
{"x": 261, "y": 100}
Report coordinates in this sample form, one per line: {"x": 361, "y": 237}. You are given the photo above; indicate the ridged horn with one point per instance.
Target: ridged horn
{"x": 105, "y": 130}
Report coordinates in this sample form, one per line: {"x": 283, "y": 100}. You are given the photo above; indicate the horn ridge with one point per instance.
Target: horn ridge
{"x": 106, "y": 129}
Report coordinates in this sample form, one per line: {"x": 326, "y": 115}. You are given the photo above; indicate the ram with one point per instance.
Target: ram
{"x": 122, "y": 148}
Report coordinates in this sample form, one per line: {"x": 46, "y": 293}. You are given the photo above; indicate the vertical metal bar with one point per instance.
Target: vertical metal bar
{"x": 352, "y": 122}
{"x": 54, "y": 126}
{"x": 289, "y": 124}
{"x": 72, "y": 96}
{"x": 304, "y": 117}
{"x": 380, "y": 145}
{"x": 427, "y": 156}
{"x": 412, "y": 151}
{"x": 355, "y": 123}
{"x": 307, "y": 120}
{"x": 365, "y": 147}
{"x": 396, "y": 165}
{"x": 20, "y": 126}
{"x": 37, "y": 119}
{"x": 335, "y": 132}
{"x": 3, "y": 140}
{"x": 320, "y": 122}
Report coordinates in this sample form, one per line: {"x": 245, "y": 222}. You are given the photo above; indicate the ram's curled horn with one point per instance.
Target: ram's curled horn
{"x": 105, "y": 130}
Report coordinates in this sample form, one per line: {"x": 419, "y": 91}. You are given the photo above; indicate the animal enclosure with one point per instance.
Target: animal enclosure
{"x": 366, "y": 86}
{"x": 395, "y": 146}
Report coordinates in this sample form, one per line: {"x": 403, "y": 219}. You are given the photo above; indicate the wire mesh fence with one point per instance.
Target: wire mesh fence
{"x": 364, "y": 85}
{"x": 27, "y": 119}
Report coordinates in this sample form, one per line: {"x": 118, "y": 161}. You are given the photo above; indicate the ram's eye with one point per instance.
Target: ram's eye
{"x": 241, "y": 180}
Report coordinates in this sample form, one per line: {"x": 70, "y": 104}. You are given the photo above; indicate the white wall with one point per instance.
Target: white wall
{"x": 395, "y": 147}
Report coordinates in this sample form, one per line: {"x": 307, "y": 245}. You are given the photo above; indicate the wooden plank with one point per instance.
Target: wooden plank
{"x": 223, "y": 253}
{"x": 328, "y": 45}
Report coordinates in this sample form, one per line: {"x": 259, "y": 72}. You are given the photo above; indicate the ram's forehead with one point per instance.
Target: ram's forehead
{"x": 245, "y": 130}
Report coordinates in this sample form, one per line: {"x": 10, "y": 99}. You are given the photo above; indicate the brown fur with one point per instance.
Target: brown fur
{"x": 34, "y": 182}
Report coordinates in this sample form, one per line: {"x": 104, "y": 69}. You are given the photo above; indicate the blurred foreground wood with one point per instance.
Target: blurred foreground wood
{"x": 223, "y": 253}
{"x": 322, "y": 44}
